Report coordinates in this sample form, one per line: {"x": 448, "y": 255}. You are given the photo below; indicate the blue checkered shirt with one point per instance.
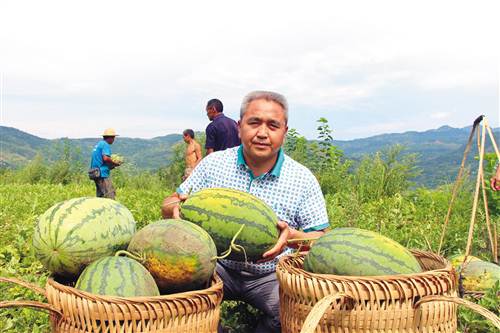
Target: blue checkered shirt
{"x": 290, "y": 189}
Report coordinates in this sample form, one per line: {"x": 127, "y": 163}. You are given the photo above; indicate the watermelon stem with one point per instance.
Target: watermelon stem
{"x": 233, "y": 246}
{"x": 135, "y": 256}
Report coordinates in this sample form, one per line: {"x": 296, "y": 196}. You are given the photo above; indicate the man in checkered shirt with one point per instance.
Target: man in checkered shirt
{"x": 260, "y": 167}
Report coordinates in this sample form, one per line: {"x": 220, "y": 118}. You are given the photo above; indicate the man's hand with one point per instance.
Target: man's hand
{"x": 171, "y": 206}
{"x": 281, "y": 243}
{"x": 495, "y": 180}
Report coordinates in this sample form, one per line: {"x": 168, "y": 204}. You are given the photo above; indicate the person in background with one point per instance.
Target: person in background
{"x": 260, "y": 167}
{"x": 222, "y": 132}
{"x": 495, "y": 180}
{"x": 101, "y": 161}
{"x": 192, "y": 153}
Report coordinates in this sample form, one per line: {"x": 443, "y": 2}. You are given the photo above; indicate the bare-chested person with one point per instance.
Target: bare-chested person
{"x": 193, "y": 152}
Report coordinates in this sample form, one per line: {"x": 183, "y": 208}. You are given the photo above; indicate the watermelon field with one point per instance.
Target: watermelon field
{"x": 375, "y": 193}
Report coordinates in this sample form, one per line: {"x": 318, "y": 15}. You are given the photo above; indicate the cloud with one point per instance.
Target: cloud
{"x": 157, "y": 63}
{"x": 440, "y": 115}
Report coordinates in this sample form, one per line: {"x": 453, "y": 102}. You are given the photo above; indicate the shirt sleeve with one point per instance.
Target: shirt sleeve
{"x": 312, "y": 215}
{"x": 106, "y": 150}
{"x": 211, "y": 136}
{"x": 198, "y": 179}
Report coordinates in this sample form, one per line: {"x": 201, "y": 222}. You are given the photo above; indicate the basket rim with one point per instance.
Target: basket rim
{"x": 285, "y": 260}
{"x": 216, "y": 286}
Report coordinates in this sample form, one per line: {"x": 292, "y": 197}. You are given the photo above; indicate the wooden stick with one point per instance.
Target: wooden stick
{"x": 487, "y": 217}
{"x": 476, "y": 191}
{"x": 490, "y": 133}
{"x": 495, "y": 234}
{"x": 457, "y": 182}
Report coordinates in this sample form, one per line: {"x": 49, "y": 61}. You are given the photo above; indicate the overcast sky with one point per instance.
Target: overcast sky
{"x": 147, "y": 68}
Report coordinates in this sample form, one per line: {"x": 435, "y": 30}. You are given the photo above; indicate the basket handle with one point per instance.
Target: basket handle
{"x": 25, "y": 284}
{"x": 460, "y": 301}
{"x": 318, "y": 311}
{"x": 31, "y": 304}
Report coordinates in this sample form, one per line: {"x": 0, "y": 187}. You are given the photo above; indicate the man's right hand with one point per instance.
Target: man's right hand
{"x": 171, "y": 207}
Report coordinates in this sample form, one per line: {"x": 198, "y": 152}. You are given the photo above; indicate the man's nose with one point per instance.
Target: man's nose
{"x": 262, "y": 131}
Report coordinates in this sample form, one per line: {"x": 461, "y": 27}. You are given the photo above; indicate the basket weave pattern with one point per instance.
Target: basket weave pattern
{"x": 369, "y": 304}
{"x": 195, "y": 311}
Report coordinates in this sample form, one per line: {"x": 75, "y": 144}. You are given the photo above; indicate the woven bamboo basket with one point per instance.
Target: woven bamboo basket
{"x": 423, "y": 302}
{"x": 76, "y": 311}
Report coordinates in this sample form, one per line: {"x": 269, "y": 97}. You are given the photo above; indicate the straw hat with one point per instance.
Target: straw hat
{"x": 109, "y": 132}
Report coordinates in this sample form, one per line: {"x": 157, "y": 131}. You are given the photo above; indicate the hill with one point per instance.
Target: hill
{"x": 440, "y": 150}
{"x": 18, "y": 148}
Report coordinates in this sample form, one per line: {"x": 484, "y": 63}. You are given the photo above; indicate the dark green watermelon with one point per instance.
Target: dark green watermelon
{"x": 358, "y": 252}
{"x": 222, "y": 212}
{"x": 117, "y": 276}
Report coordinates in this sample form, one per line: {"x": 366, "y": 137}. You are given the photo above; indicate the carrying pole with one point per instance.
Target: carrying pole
{"x": 457, "y": 182}
{"x": 476, "y": 191}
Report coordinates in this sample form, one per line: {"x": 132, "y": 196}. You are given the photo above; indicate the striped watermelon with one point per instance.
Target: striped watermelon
{"x": 479, "y": 275}
{"x": 358, "y": 252}
{"x": 179, "y": 254}
{"x": 222, "y": 212}
{"x": 73, "y": 233}
{"x": 117, "y": 276}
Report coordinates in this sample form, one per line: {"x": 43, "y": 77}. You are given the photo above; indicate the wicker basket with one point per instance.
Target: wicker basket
{"x": 76, "y": 311}
{"x": 423, "y": 302}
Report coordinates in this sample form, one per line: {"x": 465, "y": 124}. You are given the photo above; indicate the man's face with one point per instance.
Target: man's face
{"x": 186, "y": 138}
{"x": 210, "y": 113}
{"x": 263, "y": 129}
{"x": 109, "y": 139}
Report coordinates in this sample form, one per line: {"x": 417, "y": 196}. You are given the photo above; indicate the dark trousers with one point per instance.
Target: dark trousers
{"x": 104, "y": 188}
{"x": 260, "y": 291}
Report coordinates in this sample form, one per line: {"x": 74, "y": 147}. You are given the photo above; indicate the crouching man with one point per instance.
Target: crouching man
{"x": 260, "y": 167}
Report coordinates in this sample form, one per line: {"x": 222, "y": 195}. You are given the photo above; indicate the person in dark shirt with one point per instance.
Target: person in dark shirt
{"x": 222, "y": 132}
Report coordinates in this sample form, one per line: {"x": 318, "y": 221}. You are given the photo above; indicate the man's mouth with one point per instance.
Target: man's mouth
{"x": 261, "y": 144}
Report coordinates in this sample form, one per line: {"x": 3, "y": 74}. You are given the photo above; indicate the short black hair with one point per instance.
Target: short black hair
{"x": 189, "y": 132}
{"x": 215, "y": 103}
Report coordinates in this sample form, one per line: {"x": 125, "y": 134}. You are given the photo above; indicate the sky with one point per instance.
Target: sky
{"x": 147, "y": 68}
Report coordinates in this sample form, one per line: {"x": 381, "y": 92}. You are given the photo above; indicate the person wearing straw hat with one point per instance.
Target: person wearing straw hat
{"x": 101, "y": 164}
{"x": 260, "y": 167}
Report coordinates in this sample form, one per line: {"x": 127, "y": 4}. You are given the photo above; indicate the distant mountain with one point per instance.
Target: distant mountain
{"x": 18, "y": 147}
{"x": 440, "y": 150}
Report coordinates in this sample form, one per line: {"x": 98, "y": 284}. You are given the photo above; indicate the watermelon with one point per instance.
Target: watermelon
{"x": 458, "y": 259}
{"x": 226, "y": 213}
{"x": 73, "y": 233}
{"x": 179, "y": 254}
{"x": 358, "y": 252}
{"x": 479, "y": 275}
{"x": 117, "y": 158}
{"x": 117, "y": 276}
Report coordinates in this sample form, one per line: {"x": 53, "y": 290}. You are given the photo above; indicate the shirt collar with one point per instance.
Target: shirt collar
{"x": 275, "y": 171}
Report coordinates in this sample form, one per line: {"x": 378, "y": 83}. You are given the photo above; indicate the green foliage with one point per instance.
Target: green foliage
{"x": 374, "y": 194}
{"x": 239, "y": 317}
{"x": 385, "y": 173}
{"x": 471, "y": 322}
{"x": 172, "y": 174}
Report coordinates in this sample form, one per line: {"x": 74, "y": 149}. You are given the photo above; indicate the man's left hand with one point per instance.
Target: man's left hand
{"x": 282, "y": 241}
